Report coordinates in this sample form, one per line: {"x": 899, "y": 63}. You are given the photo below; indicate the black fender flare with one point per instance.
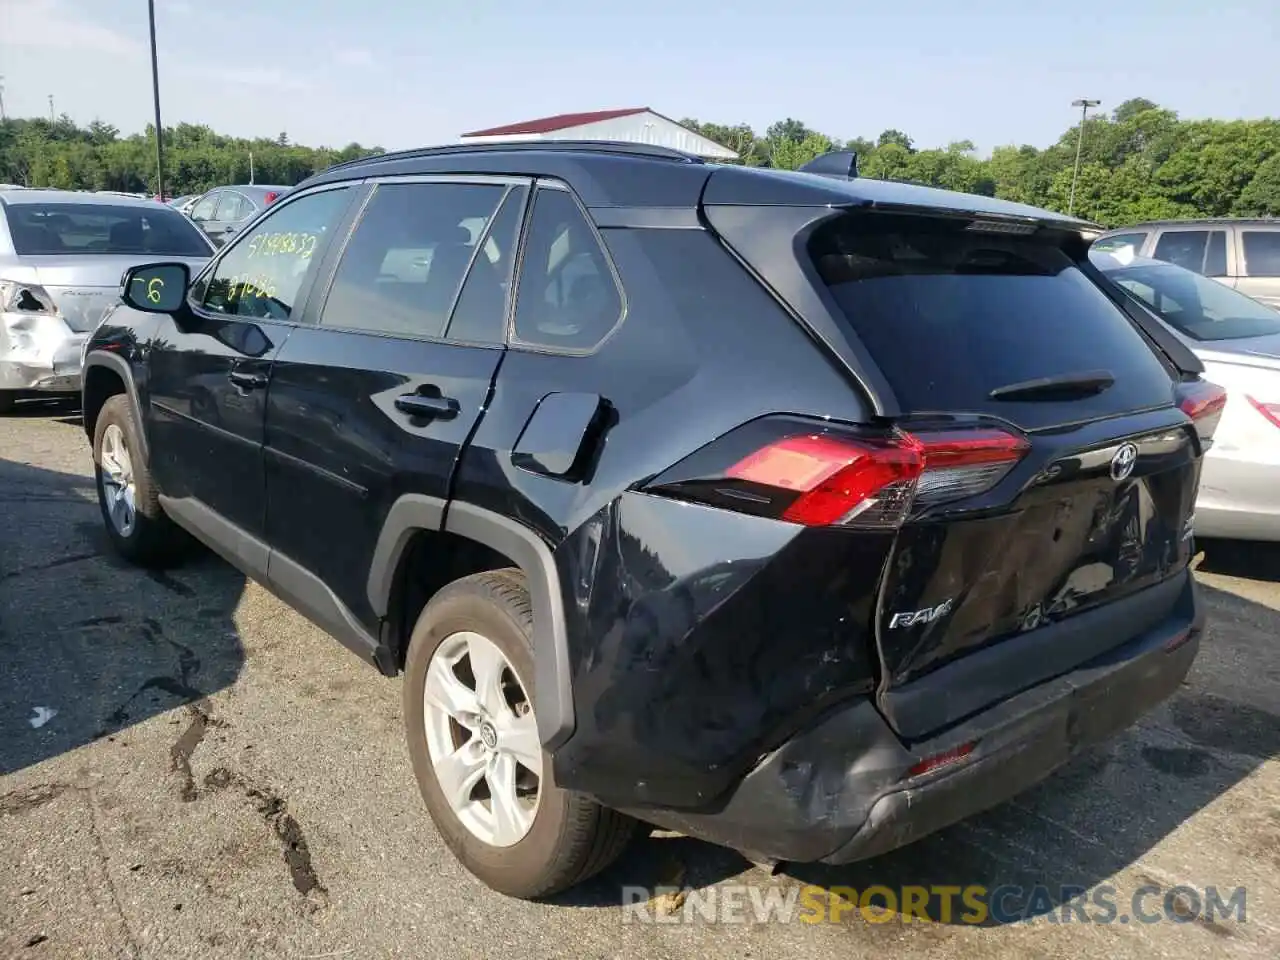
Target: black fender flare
{"x": 120, "y": 366}
{"x": 553, "y": 691}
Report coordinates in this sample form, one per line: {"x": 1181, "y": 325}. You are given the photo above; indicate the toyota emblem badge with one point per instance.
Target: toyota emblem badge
{"x": 1123, "y": 462}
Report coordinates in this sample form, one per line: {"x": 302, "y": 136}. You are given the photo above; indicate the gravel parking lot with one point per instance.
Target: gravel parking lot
{"x": 211, "y": 776}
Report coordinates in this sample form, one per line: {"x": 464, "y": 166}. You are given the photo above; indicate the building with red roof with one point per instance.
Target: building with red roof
{"x": 630, "y": 125}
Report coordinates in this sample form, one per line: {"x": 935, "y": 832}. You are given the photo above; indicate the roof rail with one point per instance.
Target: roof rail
{"x": 841, "y": 164}
{"x": 614, "y": 147}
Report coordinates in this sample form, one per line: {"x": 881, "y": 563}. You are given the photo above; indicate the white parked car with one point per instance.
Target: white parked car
{"x": 1238, "y": 341}
{"x": 62, "y": 255}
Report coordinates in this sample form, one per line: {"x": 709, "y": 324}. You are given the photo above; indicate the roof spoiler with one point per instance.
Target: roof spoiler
{"x": 841, "y": 164}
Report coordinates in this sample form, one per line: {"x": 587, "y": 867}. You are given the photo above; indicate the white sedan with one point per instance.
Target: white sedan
{"x": 1238, "y": 341}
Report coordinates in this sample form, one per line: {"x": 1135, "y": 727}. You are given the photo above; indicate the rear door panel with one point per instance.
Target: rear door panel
{"x": 339, "y": 452}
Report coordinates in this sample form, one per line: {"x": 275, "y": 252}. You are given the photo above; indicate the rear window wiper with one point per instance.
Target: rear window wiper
{"x": 1065, "y": 386}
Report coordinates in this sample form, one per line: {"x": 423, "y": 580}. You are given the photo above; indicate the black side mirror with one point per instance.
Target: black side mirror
{"x": 156, "y": 287}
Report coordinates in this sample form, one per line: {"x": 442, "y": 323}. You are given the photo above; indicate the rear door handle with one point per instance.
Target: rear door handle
{"x": 418, "y": 405}
{"x": 247, "y": 381}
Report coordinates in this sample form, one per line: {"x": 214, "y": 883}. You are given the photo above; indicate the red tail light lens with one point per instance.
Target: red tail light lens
{"x": 838, "y": 479}
{"x": 865, "y": 481}
{"x": 1269, "y": 410}
{"x": 271, "y": 197}
{"x": 1203, "y": 402}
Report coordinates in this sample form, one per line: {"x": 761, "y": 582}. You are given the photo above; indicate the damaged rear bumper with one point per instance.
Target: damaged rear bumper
{"x": 844, "y": 789}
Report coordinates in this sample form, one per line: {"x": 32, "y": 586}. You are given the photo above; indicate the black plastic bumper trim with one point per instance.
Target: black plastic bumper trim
{"x": 840, "y": 790}
{"x": 955, "y": 691}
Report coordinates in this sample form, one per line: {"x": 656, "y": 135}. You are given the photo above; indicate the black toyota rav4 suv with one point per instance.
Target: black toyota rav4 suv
{"x": 796, "y": 511}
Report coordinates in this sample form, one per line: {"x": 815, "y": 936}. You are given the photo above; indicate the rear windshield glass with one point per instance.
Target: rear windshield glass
{"x": 61, "y": 229}
{"x": 1202, "y": 309}
{"x": 949, "y": 315}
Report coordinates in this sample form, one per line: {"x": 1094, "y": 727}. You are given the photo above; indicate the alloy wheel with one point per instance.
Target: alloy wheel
{"x": 482, "y": 738}
{"x": 119, "y": 490}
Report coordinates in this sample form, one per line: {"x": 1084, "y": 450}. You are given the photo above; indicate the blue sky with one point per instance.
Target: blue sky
{"x": 401, "y": 73}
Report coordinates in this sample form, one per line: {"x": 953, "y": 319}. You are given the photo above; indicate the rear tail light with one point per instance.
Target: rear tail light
{"x": 867, "y": 481}
{"x": 962, "y": 463}
{"x": 1203, "y": 402}
{"x": 1269, "y": 410}
{"x": 271, "y": 197}
{"x": 836, "y": 480}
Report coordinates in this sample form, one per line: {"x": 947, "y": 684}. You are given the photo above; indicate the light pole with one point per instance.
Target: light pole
{"x": 1084, "y": 106}
{"x": 155, "y": 92}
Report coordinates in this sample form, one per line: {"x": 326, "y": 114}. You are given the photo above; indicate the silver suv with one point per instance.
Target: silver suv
{"x": 1244, "y": 254}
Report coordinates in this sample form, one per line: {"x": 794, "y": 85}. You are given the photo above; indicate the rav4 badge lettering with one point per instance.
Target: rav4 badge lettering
{"x": 917, "y": 617}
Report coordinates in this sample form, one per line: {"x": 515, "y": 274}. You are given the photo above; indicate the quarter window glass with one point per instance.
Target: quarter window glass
{"x": 405, "y": 263}
{"x": 1262, "y": 253}
{"x": 1183, "y": 247}
{"x": 1120, "y": 241}
{"x": 481, "y": 313}
{"x": 260, "y": 275}
{"x": 204, "y": 209}
{"x": 568, "y": 298}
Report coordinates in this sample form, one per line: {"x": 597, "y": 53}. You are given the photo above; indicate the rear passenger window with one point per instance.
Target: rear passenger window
{"x": 261, "y": 274}
{"x": 568, "y": 298}
{"x": 1261, "y": 253}
{"x": 1186, "y": 248}
{"x": 404, "y": 265}
{"x": 232, "y": 208}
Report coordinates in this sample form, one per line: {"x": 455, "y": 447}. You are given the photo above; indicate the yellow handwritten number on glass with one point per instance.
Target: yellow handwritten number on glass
{"x": 154, "y": 286}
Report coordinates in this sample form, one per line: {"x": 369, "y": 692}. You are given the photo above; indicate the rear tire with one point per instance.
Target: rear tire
{"x": 567, "y": 837}
{"x": 136, "y": 524}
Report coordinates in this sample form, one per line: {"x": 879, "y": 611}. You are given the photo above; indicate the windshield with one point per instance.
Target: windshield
{"x": 1196, "y": 306}
{"x": 62, "y": 229}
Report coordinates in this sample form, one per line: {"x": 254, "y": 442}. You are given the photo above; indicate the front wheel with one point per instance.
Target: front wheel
{"x": 473, "y": 740}
{"x": 127, "y": 496}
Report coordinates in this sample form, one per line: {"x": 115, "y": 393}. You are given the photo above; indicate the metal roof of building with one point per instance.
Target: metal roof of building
{"x": 561, "y": 121}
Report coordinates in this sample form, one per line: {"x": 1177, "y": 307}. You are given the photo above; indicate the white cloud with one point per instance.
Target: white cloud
{"x": 354, "y": 57}
{"x": 49, "y": 24}
{"x": 180, "y": 7}
{"x": 268, "y": 78}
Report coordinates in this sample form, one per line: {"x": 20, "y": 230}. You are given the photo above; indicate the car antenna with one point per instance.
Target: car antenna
{"x": 841, "y": 164}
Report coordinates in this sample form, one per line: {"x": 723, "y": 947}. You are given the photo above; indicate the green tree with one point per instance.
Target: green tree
{"x": 1138, "y": 162}
{"x": 788, "y": 129}
{"x": 786, "y": 154}
{"x": 895, "y": 137}
{"x": 1261, "y": 195}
